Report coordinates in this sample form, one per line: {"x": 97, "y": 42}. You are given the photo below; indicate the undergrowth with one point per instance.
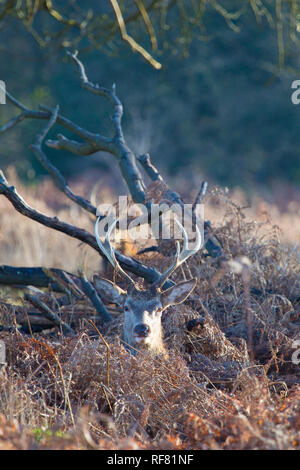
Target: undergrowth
{"x": 229, "y": 383}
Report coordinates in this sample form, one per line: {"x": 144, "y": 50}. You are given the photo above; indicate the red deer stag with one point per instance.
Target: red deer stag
{"x": 143, "y": 308}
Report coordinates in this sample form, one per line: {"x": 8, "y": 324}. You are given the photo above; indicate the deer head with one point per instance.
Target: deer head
{"x": 143, "y": 307}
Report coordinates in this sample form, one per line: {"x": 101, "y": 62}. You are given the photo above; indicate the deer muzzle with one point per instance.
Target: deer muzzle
{"x": 141, "y": 331}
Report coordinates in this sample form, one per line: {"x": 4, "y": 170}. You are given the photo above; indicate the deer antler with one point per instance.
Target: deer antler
{"x": 182, "y": 256}
{"x": 108, "y": 250}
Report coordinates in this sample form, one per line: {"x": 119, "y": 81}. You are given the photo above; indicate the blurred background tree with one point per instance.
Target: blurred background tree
{"x": 207, "y": 88}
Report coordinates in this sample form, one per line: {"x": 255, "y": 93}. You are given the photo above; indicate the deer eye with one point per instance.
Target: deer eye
{"x": 126, "y": 308}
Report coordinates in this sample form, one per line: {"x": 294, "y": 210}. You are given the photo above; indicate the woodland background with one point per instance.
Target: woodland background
{"x": 220, "y": 104}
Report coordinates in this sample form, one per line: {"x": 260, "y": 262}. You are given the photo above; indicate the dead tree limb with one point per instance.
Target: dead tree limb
{"x": 20, "y": 276}
{"x": 51, "y": 316}
{"x": 92, "y": 142}
{"x": 45, "y": 113}
{"x": 56, "y": 175}
{"x": 125, "y": 156}
{"x": 96, "y": 301}
{"x": 150, "y": 274}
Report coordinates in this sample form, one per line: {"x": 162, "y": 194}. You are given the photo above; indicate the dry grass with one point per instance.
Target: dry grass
{"x": 63, "y": 393}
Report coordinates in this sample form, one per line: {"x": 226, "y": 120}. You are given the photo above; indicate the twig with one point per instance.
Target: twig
{"x": 135, "y": 46}
{"x": 249, "y": 314}
{"x": 200, "y": 195}
{"x": 148, "y": 23}
{"x": 107, "y": 351}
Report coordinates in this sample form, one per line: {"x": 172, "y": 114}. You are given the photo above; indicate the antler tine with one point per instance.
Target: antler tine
{"x": 182, "y": 256}
{"x": 108, "y": 250}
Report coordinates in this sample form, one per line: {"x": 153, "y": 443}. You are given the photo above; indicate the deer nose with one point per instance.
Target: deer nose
{"x": 141, "y": 330}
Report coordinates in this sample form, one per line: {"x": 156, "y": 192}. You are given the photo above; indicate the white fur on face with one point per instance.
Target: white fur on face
{"x": 136, "y": 315}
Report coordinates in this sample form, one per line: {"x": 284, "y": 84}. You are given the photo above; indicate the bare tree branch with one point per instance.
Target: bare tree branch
{"x": 58, "y": 178}
{"x": 119, "y": 148}
{"x": 93, "y": 138}
{"x": 149, "y": 168}
{"x": 92, "y": 142}
{"x": 10, "y": 124}
{"x": 98, "y": 141}
{"x": 135, "y": 46}
{"x": 72, "y": 146}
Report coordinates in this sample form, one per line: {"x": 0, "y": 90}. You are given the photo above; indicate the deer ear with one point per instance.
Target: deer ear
{"x": 178, "y": 293}
{"x": 109, "y": 291}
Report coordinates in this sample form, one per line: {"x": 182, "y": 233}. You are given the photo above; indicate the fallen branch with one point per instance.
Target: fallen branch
{"x": 51, "y": 316}
{"x": 96, "y": 301}
{"x": 20, "y": 276}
